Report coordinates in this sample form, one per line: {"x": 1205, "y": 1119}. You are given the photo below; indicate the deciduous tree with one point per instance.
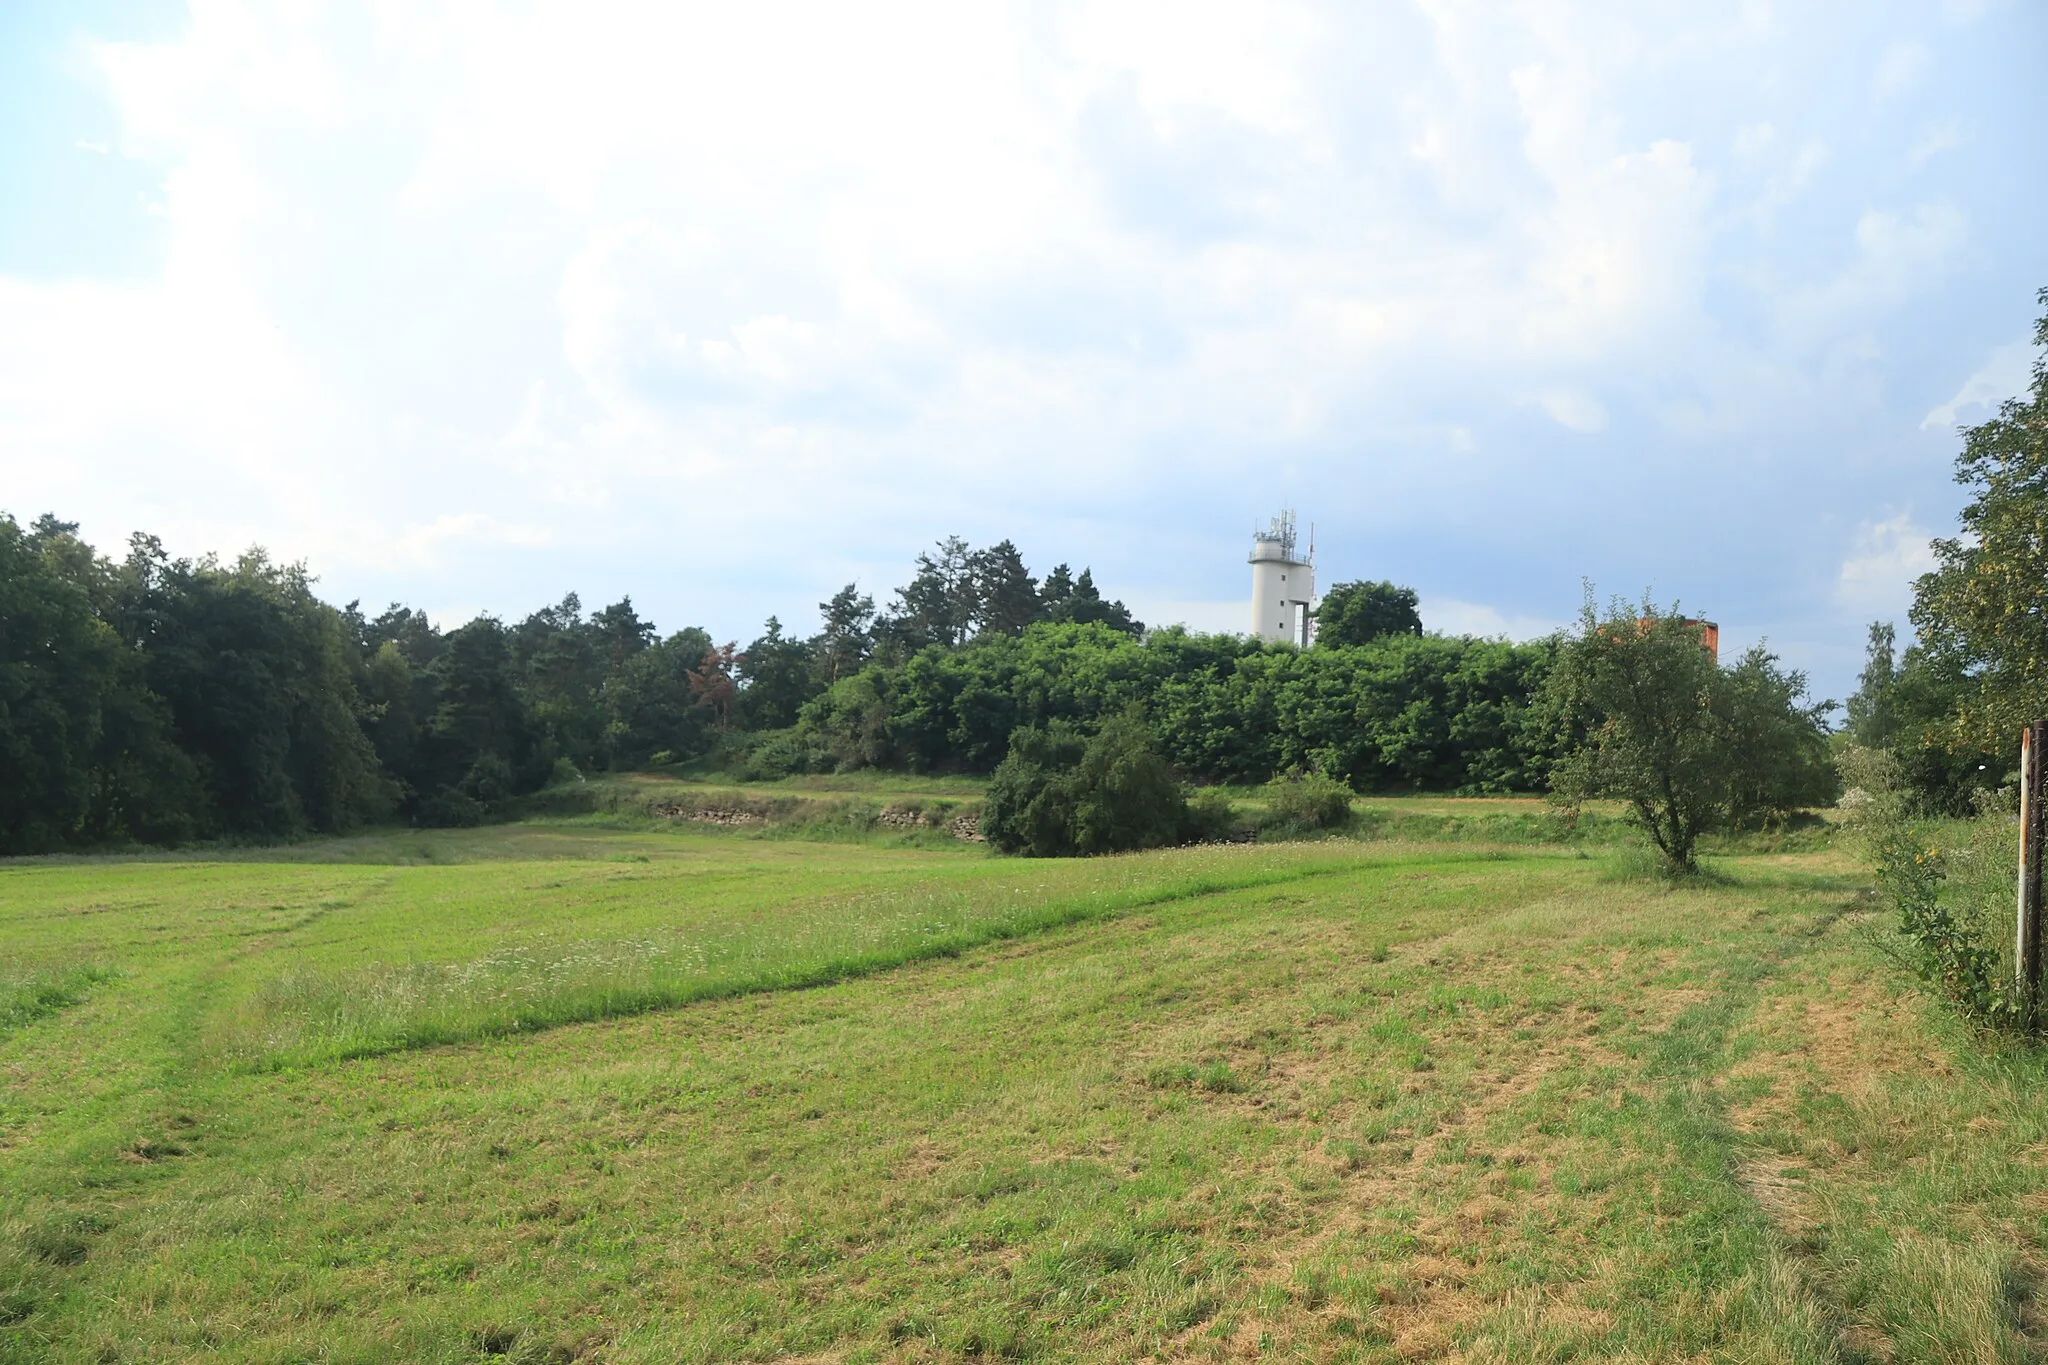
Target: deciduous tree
{"x": 1359, "y": 613}
{"x": 780, "y": 675}
{"x": 1690, "y": 747}
{"x": 651, "y": 706}
{"x": 1985, "y": 605}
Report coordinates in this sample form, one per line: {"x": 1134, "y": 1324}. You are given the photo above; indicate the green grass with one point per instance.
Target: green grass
{"x": 26, "y": 996}
{"x": 848, "y": 808}
{"x": 578, "y": 1091}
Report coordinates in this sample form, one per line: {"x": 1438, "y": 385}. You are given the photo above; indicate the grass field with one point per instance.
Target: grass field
{"x": 572, "y": 1090}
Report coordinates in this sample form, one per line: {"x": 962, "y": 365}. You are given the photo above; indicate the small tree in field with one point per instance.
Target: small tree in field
{"x": 1652, "y": 720}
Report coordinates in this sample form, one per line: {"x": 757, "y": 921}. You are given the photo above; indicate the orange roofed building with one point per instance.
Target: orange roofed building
{"x": 1710, "y": 633}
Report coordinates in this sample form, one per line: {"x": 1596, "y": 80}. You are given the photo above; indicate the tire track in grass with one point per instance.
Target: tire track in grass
{"x": 1816, "y": 1120}
{"x": 1960, "y": 1302}
{"x": 616, "y": 1002}
{"x": 1709, "y": 1221}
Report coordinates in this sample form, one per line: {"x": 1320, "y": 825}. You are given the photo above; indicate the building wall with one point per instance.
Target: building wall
{"x": 1282, "y": 590}
{"x": 1710, "y": 633}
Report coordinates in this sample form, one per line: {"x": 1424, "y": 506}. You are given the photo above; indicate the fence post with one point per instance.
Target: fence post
{"x": 2033, "y": 817}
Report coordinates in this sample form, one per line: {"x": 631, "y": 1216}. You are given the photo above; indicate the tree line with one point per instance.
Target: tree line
{"x": 1402, "y": 710}
{"x": 161, "y": 700}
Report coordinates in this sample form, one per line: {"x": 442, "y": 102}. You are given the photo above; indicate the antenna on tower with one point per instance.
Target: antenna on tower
{"x": 1283, "y": 583}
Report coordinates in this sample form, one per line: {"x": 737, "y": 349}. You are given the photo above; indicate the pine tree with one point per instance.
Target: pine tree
{"x": 1006, "y": 595}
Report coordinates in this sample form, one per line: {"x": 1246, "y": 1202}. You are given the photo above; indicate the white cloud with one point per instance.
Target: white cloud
{"x": 1449, "y": 615}
{"x": 1754, "y": 139}
{"x": 1453, "y": 617}
{"x": 1877, "y": 577}
{"x": 1940, "y": 137}
{"x": 1577, "y": 411}
{"x": 1900, "y": 69}
{"x": 426, "y": 546}
{"x": 1228, "y": 616}
{"x": 2006, "y": 373}
{"x": 1896, "y": 257}
{"x": 516, "y": 291}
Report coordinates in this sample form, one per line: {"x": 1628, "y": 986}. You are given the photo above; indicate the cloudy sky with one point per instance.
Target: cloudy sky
{"x": 470, "y": 304}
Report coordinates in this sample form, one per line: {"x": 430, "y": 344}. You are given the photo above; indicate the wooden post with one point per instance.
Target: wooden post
{"x": 2033, "y": 818}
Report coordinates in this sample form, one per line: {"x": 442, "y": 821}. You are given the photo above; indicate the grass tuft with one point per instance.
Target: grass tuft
{"x": 29, "y": 996}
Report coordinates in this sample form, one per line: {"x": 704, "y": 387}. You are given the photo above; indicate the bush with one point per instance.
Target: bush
{"x": 765, "y": 756}
{"x": 1954, "y": 902}
{"x": 1303, "y": 803}
{"x": 1028, "y": 807}
{"x": 1211, "y": 819}
{"x": 1057, "y": 795}
{"x": 1125, "y": 795}
{"x": 450, "y": 808}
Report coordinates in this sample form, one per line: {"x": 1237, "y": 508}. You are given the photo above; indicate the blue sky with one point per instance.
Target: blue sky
{"x": 469, "y": 305}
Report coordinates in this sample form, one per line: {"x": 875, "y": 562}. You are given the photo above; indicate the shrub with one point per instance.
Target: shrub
{"x": 1210, "y": 818}
{"x": 1056, "y": 794}
{"x": 766, "y": 755}
{"x": 1126, "y": 797}
{"x": 1028, "y": 807}
{"x": 1953, "y": 903}
{"x": 450, "y": 808}
{"x": 1302, "y": 803}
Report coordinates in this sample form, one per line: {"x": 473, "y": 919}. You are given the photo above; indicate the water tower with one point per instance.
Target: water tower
{"x": 1283, "y": 584}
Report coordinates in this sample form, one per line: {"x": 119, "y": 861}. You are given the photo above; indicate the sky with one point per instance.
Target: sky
{"x": 468, "y": 305}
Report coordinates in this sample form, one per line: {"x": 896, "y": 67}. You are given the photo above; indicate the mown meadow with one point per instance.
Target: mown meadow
{"x": 610, "y": 1089}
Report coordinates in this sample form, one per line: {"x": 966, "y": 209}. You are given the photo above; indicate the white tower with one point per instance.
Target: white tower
{"x": 1283, "y": 584}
